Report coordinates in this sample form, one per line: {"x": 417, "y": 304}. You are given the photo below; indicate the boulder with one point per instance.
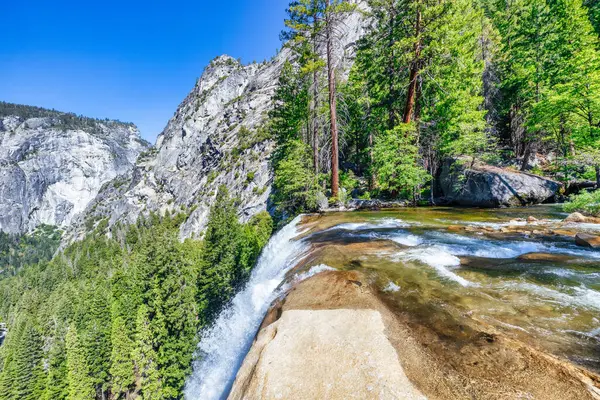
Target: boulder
{"x": 334, "y": 336}
{"x": 580, "y": 218}
{"x": 545, "y": 257}
{"x": 310, "y": 348}
{"x": 586, "y": 240}
{"x": 576, "y": 217}
{"x": 482, "y": 185}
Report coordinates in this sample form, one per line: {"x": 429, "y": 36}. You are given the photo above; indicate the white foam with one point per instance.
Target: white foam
{"x": 579, "y": 296}
{"x": 317, "y": 269}
{"x": 438, "y": 258}
{"x": 382, "y": 223}
{"x": 224, "y": 345}
{"x": 391, "y": 287}
{"x": 405, "y": 239}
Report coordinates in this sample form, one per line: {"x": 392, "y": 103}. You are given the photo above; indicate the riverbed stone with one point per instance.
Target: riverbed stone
{"x": 545, "y": 257}
{"x": 583, "y": 219}
{"x": 307, "y": 335}
{"x": 587, "y": 240}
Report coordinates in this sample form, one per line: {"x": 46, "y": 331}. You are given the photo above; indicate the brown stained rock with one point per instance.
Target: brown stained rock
{"x": 545, "y": 257}
{"x": 576, "y": 217}
{"x": 456, "y": 228}
{"x": 332, "y": 335}
{"x": 563, "y": 232}
{"x": 532, "y": 220}
{"x": 582, "y": 219}
{"x": 586, "y": 240}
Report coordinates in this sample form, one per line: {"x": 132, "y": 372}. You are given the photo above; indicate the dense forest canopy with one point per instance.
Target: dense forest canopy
{"x": 511, "y": 82}
{"x": 118, "y": 317}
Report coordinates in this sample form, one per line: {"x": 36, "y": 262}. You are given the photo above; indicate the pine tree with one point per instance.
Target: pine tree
{"x": 170, "y": 290}
{"x": 594, "y": 13}
{"x": 57, "y": 386}
{"x": 305, "y": 29}
{"x": 29, "y": 380}
{"x": 295, "y": 185}
{"x": 95, "y": 336}
{"x": 311, "y": 21}
{"x": 145, "y": 358}
{"x": 81, "y": 385}
{"x": 121, "y": 369}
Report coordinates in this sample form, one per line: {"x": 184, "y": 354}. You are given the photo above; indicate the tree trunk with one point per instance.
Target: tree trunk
{"x": 315, "y": 138}
{"x": 597, "y": 176}
{"x": 372, "y": 174}
{"x": 335, "y": 179}
{"x": 414, "y": 73}
{"x": 315, "y": 105}
{"x": 526, "y": 156}
{"x": 391, "y": 70}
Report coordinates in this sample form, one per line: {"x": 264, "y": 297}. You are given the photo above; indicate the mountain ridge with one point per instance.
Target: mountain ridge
{"x": 52, "y": 163}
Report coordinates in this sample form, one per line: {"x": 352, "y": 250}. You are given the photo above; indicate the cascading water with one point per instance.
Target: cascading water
{"x": 223, "y": 346}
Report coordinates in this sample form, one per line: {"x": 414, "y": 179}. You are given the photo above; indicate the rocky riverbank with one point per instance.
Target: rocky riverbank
{"x": 334, "y": 336}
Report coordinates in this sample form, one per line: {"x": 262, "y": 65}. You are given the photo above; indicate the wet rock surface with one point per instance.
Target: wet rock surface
{"x": 317, "y": 331}
{"x": 586, "y": 240}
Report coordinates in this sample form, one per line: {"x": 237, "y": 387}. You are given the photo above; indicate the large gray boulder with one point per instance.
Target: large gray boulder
{"x": 482, "y": 185}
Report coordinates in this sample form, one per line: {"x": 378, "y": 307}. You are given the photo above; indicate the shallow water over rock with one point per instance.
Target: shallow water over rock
{"x": 541, "y": 289}
{"x": 454, "y": 272}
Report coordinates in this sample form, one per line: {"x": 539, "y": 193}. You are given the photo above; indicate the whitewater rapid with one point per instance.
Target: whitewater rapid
{"x": 223, "y": 346}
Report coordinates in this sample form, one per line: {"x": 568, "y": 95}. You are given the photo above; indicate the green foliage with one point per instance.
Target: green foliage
{"x": 587, "y": 203}
{"x": 448, "y": 103}
{"x": 121, "y": 368}
{"x": 119, "y": 315}
{"x": 81, "y": 386}
{"x": 594, "y": 13}
{"x": 549, "y": 75}
{"x": 295, "y": 185}
{"x": 289, "y": 113}
{"x": 23, "y": 371}
{"x": 348, "y": 181}
{"x": 145, "y": 357}
{"x": 396, "y": 161}
{"x": 26, "y": 249}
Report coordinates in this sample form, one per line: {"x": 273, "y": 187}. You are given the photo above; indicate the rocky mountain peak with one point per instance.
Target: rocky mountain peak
{"x": 216, "y": 137}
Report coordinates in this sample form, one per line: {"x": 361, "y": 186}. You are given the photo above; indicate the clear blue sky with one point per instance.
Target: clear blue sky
{"x": 131, "y": 60}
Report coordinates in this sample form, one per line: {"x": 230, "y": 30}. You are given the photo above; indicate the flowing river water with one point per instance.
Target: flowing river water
{"x": 442, "y": 266}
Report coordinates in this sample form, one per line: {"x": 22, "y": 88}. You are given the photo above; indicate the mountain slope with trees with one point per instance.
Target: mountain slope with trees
{"x": 366, "y": 99}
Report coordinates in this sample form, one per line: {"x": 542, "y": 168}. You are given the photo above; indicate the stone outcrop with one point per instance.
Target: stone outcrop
{"x": 53, "y": 165}
{"x": 586, "y": 240}
{"x": 335, "y": 336}
{"x": 324, "y": 354}
{"x": 483, "y": 185}
{"x": 216, "y": 137}
{"x": 580, "y": 218}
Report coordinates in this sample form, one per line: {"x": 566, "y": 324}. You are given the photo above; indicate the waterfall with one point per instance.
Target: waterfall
{"x": 224, "y": 345}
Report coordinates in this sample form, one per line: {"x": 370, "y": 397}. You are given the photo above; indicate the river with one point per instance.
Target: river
{"x": 517, "y": 270}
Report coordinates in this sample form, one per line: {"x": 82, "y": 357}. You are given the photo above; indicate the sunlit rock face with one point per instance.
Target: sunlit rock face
{"x": 49, "y": 173}
{"x": 216, "y": 137}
